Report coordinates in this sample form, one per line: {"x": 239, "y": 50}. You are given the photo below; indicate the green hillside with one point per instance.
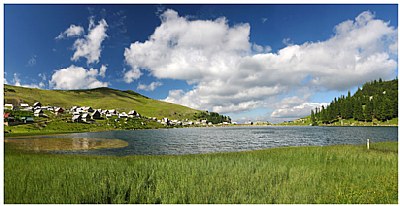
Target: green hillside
{"x": 375, "y": 101}
{"x": 99, "y": 98}
{"x": 374, "y": 104}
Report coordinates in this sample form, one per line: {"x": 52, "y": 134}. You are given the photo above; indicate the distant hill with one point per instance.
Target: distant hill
{"x": 376, "y": 100}
{"x": 100, "y": 98}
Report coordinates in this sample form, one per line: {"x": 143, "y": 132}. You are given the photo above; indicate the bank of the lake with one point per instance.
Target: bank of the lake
{"x": 343, "y": 122}
{"x": 329, "y": 174}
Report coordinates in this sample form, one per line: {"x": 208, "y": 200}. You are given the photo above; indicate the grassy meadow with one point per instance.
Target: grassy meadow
{"x": 99, "y": 98}
{"x": 330, "y": 174}
{"x": 61, "y": 125}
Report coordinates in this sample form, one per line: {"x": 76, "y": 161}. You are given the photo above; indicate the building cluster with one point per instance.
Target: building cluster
{"x": 167, "y": 122}
{"x": 88, "y": 114}
{"x": 25, "y": 118}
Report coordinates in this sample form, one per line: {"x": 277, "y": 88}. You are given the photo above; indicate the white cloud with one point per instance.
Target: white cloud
{"x": 42, "y": 76}
{"x": 103, "y": 70}
{"x": 75, "y": 77}
{"x": 132, "y": 74}
{"x": 230, "y": 74}
{"x": 294, "y": 107}
{"x": 151, "y": 87}
{"x": 287, "y": 41}
{"x": 261, "y": 49}
{"x": 264, "y": 19}
{"x": 89, "y": 46}
{"x": 32, "y": 61}
{"x": 17, "y": 82}
{"x": 72, "y": 31}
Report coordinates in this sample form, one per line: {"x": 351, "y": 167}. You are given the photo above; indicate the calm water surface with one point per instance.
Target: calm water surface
{"x": 230, "y": 139}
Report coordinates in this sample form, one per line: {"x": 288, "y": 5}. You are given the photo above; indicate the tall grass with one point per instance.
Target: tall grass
{"x": 332, "y": 174}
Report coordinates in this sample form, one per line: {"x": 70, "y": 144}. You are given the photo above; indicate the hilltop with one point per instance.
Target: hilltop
{"x": 103, "y": 98}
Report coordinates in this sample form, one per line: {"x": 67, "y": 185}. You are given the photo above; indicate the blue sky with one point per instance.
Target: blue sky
{"x": 252, "y": 62}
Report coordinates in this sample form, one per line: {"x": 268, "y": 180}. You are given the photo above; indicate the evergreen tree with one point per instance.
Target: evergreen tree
{"x": 368, "y": 112}
{"x": 357, "y": 110}
{"x": 313, "y": 122}
{"x": 348, "y": 107}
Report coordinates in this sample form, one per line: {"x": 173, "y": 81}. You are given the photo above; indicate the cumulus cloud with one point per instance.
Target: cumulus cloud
{"x": 74, "y": 77}
{"x": 287, "y": 41}
{"x": 151, "y": 87}
{"x": 89, "y": 46}
{"x": 230, "y": 74}
{"x": 72, "y": 31}
{"x": 17, "y": 82}
{"x": 295, "y": 107}
{"x": 42, "y": 76}
{"x": 103, "y": 70}
{"x": 132, "y": 75}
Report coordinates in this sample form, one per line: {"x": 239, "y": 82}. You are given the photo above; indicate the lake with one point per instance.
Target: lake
{"x": 231, "y": 139}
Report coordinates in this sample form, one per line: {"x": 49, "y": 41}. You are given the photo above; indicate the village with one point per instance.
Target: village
{"x": 24, "y": 113}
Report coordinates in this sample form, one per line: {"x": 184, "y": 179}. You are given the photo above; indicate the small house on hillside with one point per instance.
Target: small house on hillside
{"x": 123, "y": 115}
{"x": 9, "y": 106}
{"x": 132, "y": 113}
{"x": 27, "y": 120}
{"x": 73, "y": 109}
{"x": 37, "y": 104}
{"x": 96, "y": 114}
{"x": 87, "y": 109}
{"x": 8, "y": 119}
{"x": 38, "y": 113}
{"x": 24, "y": 105}
{"x": 59, "y": 110}
{"x": 86, "y": 117}
{"x": 112, "y": 112}
{"x": 76, "y": 118}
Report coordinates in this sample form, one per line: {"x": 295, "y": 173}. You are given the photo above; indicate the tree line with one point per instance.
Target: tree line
{"x": 213, "y": 117}
{"x": 375, "y": 100}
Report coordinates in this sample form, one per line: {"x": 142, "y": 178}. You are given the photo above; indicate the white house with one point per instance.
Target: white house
{"x": 37, "y": 104}
{"x": 38, "y": 113}
{"x": 112, "y": 112}
{"x": 8, "y": 106}
{"x": 86, "y": 117}
{"x": 96, "y": 114}
{"x": 76, "y": 118}
{"x": 87, "y": 109}
{"x": 123, "y": 115}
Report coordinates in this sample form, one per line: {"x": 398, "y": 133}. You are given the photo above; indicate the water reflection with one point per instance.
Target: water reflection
{"x": 65, "y": 144}
{"x": 206, "y": 140}
{"x": 230, "y": 139}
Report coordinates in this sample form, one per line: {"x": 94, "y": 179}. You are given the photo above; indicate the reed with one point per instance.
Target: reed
{"x": 330, "y": 174}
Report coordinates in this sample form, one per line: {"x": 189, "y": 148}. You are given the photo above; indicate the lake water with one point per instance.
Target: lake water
{"x": 230, "y": 139}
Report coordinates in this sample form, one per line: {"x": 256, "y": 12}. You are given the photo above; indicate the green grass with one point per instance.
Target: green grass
{"x": 306, "y": 121}
{"x": 59, "y": 125}
{"x": 100, "y": 98}
{"x": 331, "y": 174}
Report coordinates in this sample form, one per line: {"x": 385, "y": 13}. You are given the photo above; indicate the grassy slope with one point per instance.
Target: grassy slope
{"x": 103, "y": 98}
{"x": 332, "y": 174}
